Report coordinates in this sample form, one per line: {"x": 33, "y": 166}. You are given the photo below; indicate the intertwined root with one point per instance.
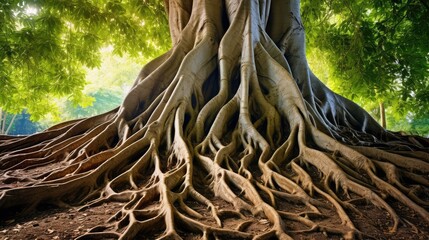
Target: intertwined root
{"x": 217, "y": 140}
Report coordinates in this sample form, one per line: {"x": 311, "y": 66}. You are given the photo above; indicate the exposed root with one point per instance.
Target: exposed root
{"x": 220, "y": 137}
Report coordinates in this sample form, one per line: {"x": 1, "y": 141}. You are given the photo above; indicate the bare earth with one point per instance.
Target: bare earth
{"x": 54, "y": 223}
{"x": 50, "y": 222}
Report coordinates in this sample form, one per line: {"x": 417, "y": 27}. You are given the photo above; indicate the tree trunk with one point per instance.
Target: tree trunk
{"x": 1, "y": 120}
{"x": 382, "y": 115}
{"x": 10, "y": 124}
{"x": 230, "y": 123}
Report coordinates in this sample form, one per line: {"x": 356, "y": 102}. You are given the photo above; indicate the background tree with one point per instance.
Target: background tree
{"x": 375, "y": 51}
{"x": 45, "y": 46}
{"x": 351, "y": 25}
{"x": 6, "y": 121}
{"x": 230, "y": 116}
{"x": 107, "y": 86}
{"x": 22, "y": 125}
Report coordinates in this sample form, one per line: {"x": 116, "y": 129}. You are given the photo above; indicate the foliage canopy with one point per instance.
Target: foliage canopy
{"x": 46, "y": 45}
{"x": 375, "y": 51}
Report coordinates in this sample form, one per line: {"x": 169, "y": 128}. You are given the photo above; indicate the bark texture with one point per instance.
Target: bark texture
{"x": 232, "y": 114}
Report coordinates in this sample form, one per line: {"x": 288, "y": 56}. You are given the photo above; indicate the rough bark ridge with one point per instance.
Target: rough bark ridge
{"x": 230, "y": 114}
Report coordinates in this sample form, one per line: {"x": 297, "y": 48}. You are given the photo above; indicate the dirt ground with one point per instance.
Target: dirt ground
{"x": 54, "y": 223}
{"x": 49, "y": 222}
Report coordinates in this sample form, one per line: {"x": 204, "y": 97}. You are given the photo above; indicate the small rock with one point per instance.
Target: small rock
{"x": 50, "y": 231}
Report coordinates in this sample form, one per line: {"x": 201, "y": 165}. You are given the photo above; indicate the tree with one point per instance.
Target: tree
{"x": 413, "y": 124}
{"x": 45, "y": 46}
{"x": 104, "y": 100}
{"x": 372, "y": 52}
{"x": 5, "y": 122}
{"x": 107, "y": 85}
{"x": 231, "y": 113}
{"x": 22, "y": 125}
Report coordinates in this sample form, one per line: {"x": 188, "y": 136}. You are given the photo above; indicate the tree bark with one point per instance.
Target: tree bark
{"x": 10, "y": 124}
{"x": 382, "y": 115}
{"x": 230, "y": 123}
{"x": 3, "y": 122}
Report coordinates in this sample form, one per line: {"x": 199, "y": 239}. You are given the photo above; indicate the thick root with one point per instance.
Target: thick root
{"x": 225, "y": 136}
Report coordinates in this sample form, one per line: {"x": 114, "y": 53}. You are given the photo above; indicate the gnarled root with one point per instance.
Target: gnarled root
{"x": 224, "y": 136}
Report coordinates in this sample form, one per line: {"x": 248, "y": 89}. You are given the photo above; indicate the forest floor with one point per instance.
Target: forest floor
{"x": 48, "y": 222}
{"x": 55, "y": 223}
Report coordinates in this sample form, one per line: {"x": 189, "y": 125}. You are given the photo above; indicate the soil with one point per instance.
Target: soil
{"x": 49, "y": 222}
{"x": 60, "y": 223}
